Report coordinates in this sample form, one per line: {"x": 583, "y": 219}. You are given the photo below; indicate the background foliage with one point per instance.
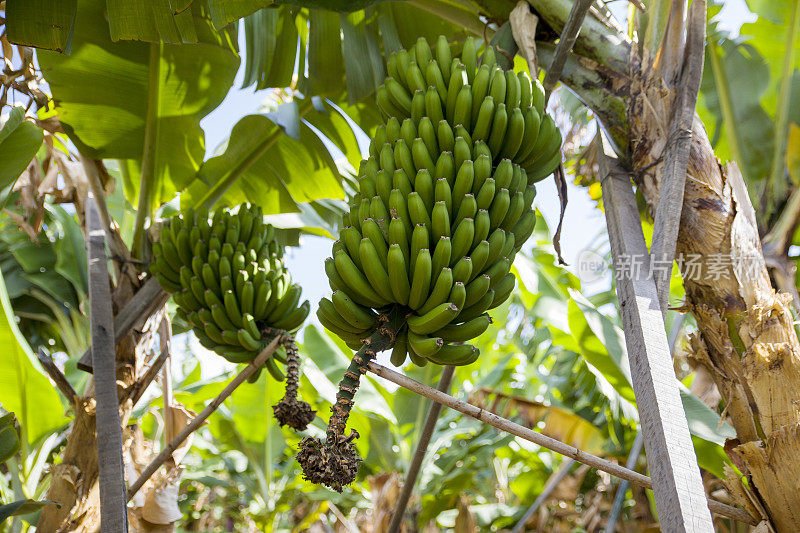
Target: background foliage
{"x": 138, "y": 78}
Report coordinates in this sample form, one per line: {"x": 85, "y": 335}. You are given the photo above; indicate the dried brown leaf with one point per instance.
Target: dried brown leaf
{"x": 465, "y": 520}
{"x": 523, "y": 28}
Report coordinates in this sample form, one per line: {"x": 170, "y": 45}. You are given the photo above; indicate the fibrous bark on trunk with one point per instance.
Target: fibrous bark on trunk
{"x": 746, "y": 337}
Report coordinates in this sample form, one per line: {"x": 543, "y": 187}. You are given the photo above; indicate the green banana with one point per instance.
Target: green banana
{"x": 463, "y": 183}
{"x": 398, "y": 275}
{"x": 462, "y": 113}
{"x": 476, "y": 289}
{"x": 443, "y": 193}
{"x": 502, "y": 290}
{"x": 469, "y": 57}
{"x": 462, "y": 239}
{"x": 498, "y": 134}
{"x": 423, "y": 185}
{"x": 374, "y": 269}
{"x": 443, "y": 56}
{"x": 439, "y": 291}
{"x": 440, "y": 221}
{"x": 433, "y": 320}
{"x": 417, "y": 105}
{"x": 434, "y": 78}
{"x": 445, "y": 136}
{"x": 295, "y": 318}
{"x": 483, "y": 122}
{"x": 433, "y": 107}
{"x": 424, "y": 345}
{"x": 420, "y": 280}
{"x": 455, "y": 355}
{"x": 356, "y": 281}
{"x": 480, "y": 89}
{"x": 398, "y": 357}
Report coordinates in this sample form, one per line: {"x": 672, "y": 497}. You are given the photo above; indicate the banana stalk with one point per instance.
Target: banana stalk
{"x": 335, "y": 461}
{"x": 290, "y": 411}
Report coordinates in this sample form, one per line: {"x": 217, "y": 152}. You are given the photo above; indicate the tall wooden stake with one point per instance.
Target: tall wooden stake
{"x": 552, "y": 482}
{"x": 113, "y": 506}
{"x": 619, "y": 498}
{"x": 419, "y": 453}
{"x": 677, "y": 486}
{"x": 540, "y": 439}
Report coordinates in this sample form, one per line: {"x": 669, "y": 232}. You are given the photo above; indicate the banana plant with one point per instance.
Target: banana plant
{"x": 10, "y": 446}
{"x": 155, "y": 131}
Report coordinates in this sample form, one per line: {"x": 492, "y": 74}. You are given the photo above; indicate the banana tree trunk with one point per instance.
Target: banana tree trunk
{"x": 746, "y": 337}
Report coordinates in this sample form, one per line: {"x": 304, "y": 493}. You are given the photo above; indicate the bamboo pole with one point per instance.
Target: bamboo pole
{"x": 419, "y": 453}
{"x": 565, "y": 43}
{"x": 619, "y": 497}
{"x": 544, "y": 441}
{"x": 166, "y": 453}
{"x": 552, "y": 482}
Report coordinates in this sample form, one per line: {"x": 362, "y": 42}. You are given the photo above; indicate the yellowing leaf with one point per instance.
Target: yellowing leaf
{"x": 793, "y": 152}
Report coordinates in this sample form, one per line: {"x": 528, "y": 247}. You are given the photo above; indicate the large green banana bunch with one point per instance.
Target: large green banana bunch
{"x": 229, "y": 281}
{"x": 444, "y": 202}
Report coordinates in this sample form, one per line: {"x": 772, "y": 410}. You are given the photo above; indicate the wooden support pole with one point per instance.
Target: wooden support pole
{"x": 565, "y": 43}
{"x": 544, "y": 441}
{"x": 57, "y": 376}
{"x": 552, "y": 482}
{"x": 678, "y": 488}
{"x": 419, "y": 453}
{"x": 113, "y": 506}
{"x": 676, "y": 154}
{"x": 134, "y": 392}
{"x": 144, "y": 303}
{"x": 195, "y": 424}
{"x": 619, "y": 497}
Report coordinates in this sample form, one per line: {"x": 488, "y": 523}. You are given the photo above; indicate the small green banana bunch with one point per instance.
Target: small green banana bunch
{"x": 228, "y": 279}
{"x": 444, "y": 203}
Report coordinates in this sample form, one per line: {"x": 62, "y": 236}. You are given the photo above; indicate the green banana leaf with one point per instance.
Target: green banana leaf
{"x": 770, "y": 35}
{"x": 353, "y": 42}
{"x": 223, "y": 12}
{"x": 151, "y": 20}
{"x": 19, "y": 142}
{"x": 46, "y": 282}
{"x": 261, "y": 163}
{"x": 129, "y": 100}
{"x": 752, "y": 126}
{"x": 250, "y": 408}
{"x": 333, "y": 5}
{"x": 289, "y": 161}
{"x": 324, "y": 28}
{"x": 47, "y": 24}
{"x": 21, "y": 507}
{"x": 23, "y": 388}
